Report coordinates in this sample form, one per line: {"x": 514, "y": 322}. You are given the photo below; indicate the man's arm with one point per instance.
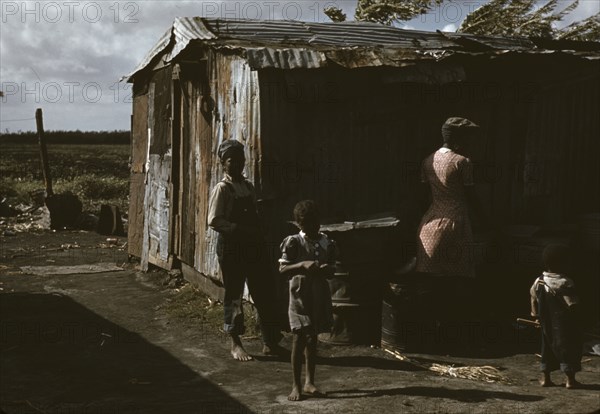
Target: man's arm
{"x": 217, "y": 210}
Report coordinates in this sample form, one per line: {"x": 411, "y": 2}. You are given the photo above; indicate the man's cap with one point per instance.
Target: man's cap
{"x": 229, "y": 147}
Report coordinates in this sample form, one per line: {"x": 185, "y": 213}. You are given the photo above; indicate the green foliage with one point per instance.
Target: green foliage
{"x": 97, "y": 174}
{"x": 68, "y": 137}
{"x": 335, "y": 14}
{"x": 585, "y": 30}
{"x": 388, "y": 11}
{"x": 521, "y": 18}
{"x": 90, "y": 186}
{"x": 18, "y": 190}
{"x": 66, "y": 161}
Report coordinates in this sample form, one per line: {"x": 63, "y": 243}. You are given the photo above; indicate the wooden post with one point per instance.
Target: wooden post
{"x": 43, "y": 152}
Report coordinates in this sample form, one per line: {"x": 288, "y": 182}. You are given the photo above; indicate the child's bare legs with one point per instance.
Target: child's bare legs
{"x": 546, "y": 381}
{"x": 571, "y": 381}
{"x": 311, "y": 355}
{"x": 298, "y": 347}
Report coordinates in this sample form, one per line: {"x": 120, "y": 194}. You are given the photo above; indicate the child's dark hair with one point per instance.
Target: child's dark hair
{"x": 555, "y": 258}
{"x": 306, "y": 209}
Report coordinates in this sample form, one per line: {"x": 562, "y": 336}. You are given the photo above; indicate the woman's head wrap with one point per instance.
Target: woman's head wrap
{"x": 229, "y": 148}
{"x": 555, "y": 258}
{"x": 455, "y": 128}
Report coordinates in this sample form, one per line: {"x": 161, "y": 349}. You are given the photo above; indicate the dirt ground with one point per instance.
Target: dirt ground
{"x": 103, "y": 343}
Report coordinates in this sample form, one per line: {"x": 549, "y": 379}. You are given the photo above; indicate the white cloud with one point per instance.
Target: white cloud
{"x": 585, "y": 9}
{"x": 449, "y": 28}
{"x": 93, "y": 43}
{"x": 76, "y": 47}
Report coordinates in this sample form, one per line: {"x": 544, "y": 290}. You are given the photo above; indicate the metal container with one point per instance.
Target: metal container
{"x": 406, "y": 323}
{"x": 365, "y": 249}
{"x": 340, "y": 287}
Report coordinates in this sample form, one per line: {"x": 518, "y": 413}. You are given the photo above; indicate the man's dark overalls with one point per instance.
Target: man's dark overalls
{"x": 243, "y": 256}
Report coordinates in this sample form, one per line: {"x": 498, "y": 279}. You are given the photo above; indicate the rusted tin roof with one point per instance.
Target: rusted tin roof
{"x": 284, "y": 44}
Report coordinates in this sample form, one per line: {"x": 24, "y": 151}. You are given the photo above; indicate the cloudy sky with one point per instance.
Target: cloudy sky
{"x": 67, "y": 56}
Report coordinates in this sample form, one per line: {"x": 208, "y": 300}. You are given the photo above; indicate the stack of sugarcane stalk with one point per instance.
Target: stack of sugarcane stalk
{"x": 483, "y": 373}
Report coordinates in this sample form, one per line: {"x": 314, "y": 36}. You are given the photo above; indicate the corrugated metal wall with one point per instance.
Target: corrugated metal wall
{"x": 219, "y": 101}
{"x": 353, "y": 140}
{"x": 347, "y": 138}
{"x": 563, "y": 142}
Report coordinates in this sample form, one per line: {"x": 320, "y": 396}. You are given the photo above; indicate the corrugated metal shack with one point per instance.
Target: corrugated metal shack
{"x": 344, "y": 113}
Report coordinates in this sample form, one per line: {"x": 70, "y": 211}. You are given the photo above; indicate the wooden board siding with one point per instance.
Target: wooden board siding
{"x": 218, "y": 100}
{"x": 231, "y": 103}
{"x": 139, "y": 150}
{"x": 139, "y": 134}
{"x": 158, "y": 211}
{"x": 156, "y": 241}
{"x": 135, "y": 229}
{"x": 189, "y": 159}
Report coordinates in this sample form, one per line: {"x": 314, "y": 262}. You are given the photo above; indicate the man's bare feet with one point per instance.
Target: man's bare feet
{"x": 237, "y": 350}
{"x": 572, "y": 383}
{"x": 311, "y": 389}
{"x": 295, "y": 395}
{"x": 545, "y": 381}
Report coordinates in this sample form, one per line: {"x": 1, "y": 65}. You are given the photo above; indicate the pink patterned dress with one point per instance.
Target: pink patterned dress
{"x": 445, "y": 236}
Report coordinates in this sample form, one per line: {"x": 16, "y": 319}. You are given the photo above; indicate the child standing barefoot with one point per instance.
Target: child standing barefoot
{"x": 554, "y": 303}
{"x": 308, "y": 259}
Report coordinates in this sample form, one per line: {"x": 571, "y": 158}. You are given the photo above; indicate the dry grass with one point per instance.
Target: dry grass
{"x": 191, "y": 305}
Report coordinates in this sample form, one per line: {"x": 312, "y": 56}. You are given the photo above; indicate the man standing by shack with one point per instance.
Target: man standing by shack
{"x": 242, "y": 252}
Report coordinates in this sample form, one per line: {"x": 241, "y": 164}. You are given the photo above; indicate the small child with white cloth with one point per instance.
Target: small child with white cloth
{"x": 554, "y": 302}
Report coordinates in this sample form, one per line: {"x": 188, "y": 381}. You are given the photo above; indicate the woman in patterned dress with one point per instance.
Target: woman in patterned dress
{"x": 445, "y": 230}
{"x": 445, "y": 235}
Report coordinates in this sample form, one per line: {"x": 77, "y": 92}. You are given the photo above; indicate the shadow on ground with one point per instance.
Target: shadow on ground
{"x": 77, "y": 361}
{"x": 462, "y": 395}
{"x": 368, "y": 362}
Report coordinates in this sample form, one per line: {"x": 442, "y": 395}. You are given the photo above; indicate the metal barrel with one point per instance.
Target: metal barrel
{"x": 355, "y": 319}
{"x": 344, "y": 330}
{"x": 345, "y": 312}
{"x": 406, "y": 324}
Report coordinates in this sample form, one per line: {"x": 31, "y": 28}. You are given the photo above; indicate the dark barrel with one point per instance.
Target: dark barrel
{"x": 407, "y": 323}
{"x": 353, "y": 316}
{"x": 365, "y": 247}
{"x": 344, "y": 311}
